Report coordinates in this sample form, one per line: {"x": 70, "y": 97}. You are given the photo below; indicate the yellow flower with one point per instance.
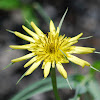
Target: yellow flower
{"x": 52, "y": 49}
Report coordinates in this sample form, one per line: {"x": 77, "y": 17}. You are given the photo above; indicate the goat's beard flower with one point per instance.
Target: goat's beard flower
{"x": 52, "y": 49}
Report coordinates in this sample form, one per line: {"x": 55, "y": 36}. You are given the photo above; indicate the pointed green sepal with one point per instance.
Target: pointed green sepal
{"x": 97, "y": 52}
{"x": 85, "y": 37}
{"x": 63, "y": 54}
{"x": 9, "y": 50}
{"x": 68, "y": 83}
{"x": 8, "y": 66}
{"x": 94, "y": 68}
{"x": 20, "y": 78}
{"x": 10, "y": 31}
{"x": 62, "y": 19}
{"x": 27, "y": 21}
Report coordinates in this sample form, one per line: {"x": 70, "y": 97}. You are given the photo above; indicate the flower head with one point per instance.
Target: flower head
{"x": 52, "y": 49}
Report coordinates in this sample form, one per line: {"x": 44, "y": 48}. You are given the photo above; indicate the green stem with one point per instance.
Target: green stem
{"x": 54, "y": 84}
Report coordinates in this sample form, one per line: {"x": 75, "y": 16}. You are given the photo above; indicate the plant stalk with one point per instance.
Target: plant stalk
{"x": 54, "y": 84}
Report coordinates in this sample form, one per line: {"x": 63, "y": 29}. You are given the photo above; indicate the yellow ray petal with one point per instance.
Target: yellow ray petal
{"x": 61, "y": 70}
{"x": 30, "y": 62}
{"x": 32, "y": 68}
{"x": 53, "y": 64}
{"x": 20, "y": 46}
{"x": 46, "y": 59}
{"x": 23, "y": 57}
{"x": 43, "y": 65}
{"x": 47, "y": 69}
{"x": 68, "y": 45}
{"x": 76, "y": 37}
{"x": 65, "y": 41}
{"x": 61, "y": 37}
{"x": 57, "y": 30}
{"x": 64, "y": 60}
{"x": 71, "y": 43}
{"x": 77, "y": 60}
{"x": 24, "y": 37}
{"x": 52, "y": 27}
{"x": 34, "y": 35}
{"x": 82, "y": 50}
{"x": 37, "y": 30}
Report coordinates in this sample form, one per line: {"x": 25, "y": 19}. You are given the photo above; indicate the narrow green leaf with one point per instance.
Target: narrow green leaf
{"x": 38, "y": 90}
{"x": 32, "y": 89}
{"x": 62, "y": 19}
{"x": 45, "y": 85}
{"x": 94, "y": 89}
{"x": 42, "y": 86}
{"x": 76, "y": 93}
{"x": 80, "y": 89}
{"x": 7, "y": 66}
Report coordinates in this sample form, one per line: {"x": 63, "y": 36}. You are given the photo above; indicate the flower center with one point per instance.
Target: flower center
{"x": 51, "y": 48}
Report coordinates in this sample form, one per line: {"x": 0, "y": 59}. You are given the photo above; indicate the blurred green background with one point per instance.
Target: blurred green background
{"x": 83, "y": 16}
